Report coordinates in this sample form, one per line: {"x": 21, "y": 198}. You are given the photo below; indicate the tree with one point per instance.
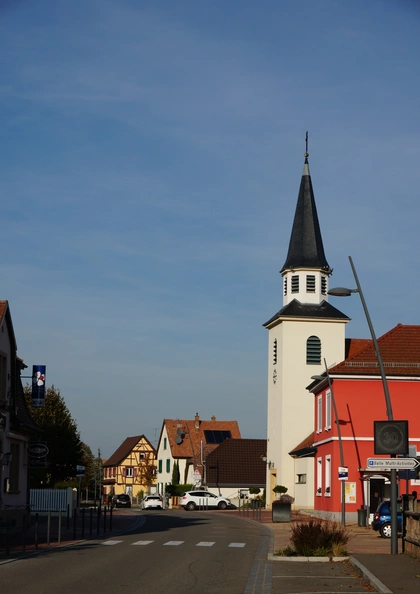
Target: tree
{"x": 175, "y": 473}
{"x": 60, "y": 433}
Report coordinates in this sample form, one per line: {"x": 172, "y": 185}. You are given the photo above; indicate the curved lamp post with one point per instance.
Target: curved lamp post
{"x": 344, "y": 292}
{"x": 340, "y": 443}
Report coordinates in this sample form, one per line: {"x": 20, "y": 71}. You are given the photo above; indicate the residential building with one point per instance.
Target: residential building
{"x": 131, "y": 468}
{"x": 16, "y": 428}
{"x": 358, "y": 394}
{"x": 304, "y": 332}
{"x": 235, "y": 466}
{"x": 188, "y": 443}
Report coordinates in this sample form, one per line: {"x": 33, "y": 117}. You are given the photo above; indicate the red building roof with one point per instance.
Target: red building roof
{"x": 400, "y": 352}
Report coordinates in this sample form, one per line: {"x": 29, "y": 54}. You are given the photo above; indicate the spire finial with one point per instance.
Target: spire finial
{"x": 306, "y": 152}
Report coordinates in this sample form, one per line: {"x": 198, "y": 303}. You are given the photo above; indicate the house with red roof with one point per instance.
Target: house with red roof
{"x": 131, "y": 468}
{"x": 358, "y": 394}
{"x": 188, "y": 443}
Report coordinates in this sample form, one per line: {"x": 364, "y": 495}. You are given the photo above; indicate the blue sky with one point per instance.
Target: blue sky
{"x": 150, "y": 162}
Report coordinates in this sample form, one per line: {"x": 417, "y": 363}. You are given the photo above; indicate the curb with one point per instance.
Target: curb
{"x": 308, "y": 559}
{"x": 369, "y": 577}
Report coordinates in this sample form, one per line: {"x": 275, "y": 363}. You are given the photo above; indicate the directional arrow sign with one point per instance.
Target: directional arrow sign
{"x": 390, "y": 463}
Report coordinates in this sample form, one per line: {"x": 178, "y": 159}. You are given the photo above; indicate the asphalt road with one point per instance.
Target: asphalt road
{"x": 170, "y": 552}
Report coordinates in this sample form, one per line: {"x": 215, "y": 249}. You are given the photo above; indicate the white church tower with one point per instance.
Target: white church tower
{"x": 306, "y": 330}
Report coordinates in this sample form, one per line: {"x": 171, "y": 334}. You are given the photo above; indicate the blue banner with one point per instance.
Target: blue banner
{"x": 38, "y": 385}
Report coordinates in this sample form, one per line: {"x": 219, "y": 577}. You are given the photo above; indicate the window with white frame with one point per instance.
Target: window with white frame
{"x": 328, "y": 410}
{"x": 328, "y": 476}
{"x": 129, "y": 472}
{"x": 319, "y": 477}
{"x": 319, "y": 414}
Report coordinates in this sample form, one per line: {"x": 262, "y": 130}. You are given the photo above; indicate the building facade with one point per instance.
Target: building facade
{"x": 358, "y": 394}
{"x": 304, "y": 332}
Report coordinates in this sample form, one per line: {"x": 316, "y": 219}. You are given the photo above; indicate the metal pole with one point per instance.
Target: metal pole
{"x": 340, "y": 445}
{"x": 394, "y": 511}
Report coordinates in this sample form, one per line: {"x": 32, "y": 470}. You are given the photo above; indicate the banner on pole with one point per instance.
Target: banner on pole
{"x": 38, "y": 385}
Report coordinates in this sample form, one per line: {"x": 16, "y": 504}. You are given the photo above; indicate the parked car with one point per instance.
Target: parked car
{"x": 122, "y": 500}
{"x": 194, "y": 499}
{"x": 382, "y": 519}
{"x": 151, "y": 502}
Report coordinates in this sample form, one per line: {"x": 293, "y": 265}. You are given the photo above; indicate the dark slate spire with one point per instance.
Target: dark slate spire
{"x": 305, "y": 248}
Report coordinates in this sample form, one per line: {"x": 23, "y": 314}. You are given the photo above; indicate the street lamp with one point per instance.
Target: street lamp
{"x": 344, "y": 292}
{"x": 340, "y": 443}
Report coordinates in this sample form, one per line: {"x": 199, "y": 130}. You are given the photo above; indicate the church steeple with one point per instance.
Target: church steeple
{"x": 306, "y": 249}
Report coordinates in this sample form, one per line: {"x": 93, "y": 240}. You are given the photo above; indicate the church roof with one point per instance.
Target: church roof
{"x": 306, "y": 249}
{"x": 296, "y": 309}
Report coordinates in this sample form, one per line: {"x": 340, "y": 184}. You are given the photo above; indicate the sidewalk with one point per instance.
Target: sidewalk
{"x": 369, "y": 553}
{"x": 18, "y": 544}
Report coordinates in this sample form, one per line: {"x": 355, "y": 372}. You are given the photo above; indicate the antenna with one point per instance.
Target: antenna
{"x": 306, "y": 141}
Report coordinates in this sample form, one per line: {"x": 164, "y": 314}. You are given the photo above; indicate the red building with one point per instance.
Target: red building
{"x": 357, "y": 390}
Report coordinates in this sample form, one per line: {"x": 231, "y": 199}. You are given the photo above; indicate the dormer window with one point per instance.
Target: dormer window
{"x": 310, "y": 283}
{"x": 295, "y": 283}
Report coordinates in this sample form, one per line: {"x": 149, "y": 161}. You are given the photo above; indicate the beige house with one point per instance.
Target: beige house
{"x": 131, "y": 468}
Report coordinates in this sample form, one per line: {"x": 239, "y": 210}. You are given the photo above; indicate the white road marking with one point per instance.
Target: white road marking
{"x": 205, "y": 544}
{"x": 238, "y": 545}
{"x": 142, "y": 542}
{"x": 111, "y": 542}
{"x": 173, "y": 543}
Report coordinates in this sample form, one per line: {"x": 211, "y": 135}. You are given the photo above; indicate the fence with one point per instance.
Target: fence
{"x": 56, "y": 500}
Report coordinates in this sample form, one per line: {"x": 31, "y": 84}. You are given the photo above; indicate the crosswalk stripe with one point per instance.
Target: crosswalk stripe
{"x": 173, "y": 543}
{"x": 111, "y": 542}
{"x": 142, "y": 542}
{"x": 205, "y": 544}
{"x": 238, "y": 545}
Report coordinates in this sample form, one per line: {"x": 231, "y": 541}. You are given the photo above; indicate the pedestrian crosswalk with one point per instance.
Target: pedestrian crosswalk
{"x": 173, "y": 543}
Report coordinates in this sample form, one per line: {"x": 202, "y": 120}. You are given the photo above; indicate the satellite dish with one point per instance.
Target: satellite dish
{"x": 178, "y": 439}
{"x": 180, "y": 432}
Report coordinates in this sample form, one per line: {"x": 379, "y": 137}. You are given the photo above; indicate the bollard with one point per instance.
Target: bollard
{"x": 68, "y": 516}
{"x": 104, "y": 519}
{"x": 83, "y": 522}
{"x": 23, "y": 532}
{"x": 48, "y": 527}
{"x": 90, "y": 521}
{"x": 59, "y": 527}
{"x": 98, "y": 517}
{"x": 36, "y": 529}
{"x": 74, "y": 523}
{"x": 110, "y": 519}
{"x": 8, "y": 536}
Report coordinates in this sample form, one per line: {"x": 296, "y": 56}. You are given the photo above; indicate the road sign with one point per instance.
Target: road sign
{"x": 343, "y": 473}
{"x": 80, "y": 470}
{"x": 391, "y": 463}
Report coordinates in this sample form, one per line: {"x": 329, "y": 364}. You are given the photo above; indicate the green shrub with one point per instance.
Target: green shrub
{"x": 315, "y": 536}
{"x": 254, "y": 490}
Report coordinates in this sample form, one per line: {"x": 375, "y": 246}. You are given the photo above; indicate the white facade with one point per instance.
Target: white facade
{"x": 301, "y": 335}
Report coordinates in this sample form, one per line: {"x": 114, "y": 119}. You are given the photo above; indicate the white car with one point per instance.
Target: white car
{"x": 203, "y": 499}
{"x": 152, "y": 502}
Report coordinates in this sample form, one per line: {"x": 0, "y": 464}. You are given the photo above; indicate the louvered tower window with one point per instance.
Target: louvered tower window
{"x": 275, "y": 351}
{"x": 285, "y": 286}
{"x": 313, "y": 351}
{"x": 295, "y": 284}
{"x": 310, "y": 283}
{"x": 323, "y": 285}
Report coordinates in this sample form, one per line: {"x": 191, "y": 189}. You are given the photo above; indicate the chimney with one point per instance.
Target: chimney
{"x": 197, "y": 421}
{"x": 213, "y": 418}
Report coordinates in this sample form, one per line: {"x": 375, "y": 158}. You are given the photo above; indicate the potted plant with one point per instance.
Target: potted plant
{"x": 282, "y": 507}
